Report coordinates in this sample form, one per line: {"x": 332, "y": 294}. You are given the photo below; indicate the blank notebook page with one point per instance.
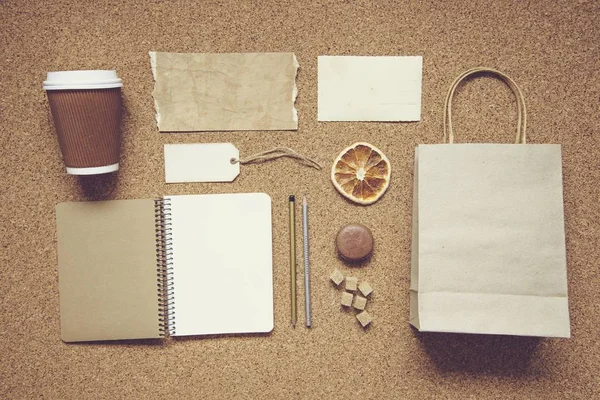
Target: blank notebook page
{"x": 222, "y": 263}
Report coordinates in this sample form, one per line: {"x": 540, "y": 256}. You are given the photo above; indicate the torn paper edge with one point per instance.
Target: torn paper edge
{"x": 295, "y": 91}
{"x": 152, "y": 55}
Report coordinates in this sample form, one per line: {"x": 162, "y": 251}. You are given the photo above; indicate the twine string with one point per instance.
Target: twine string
{"x": 275, "y": 153}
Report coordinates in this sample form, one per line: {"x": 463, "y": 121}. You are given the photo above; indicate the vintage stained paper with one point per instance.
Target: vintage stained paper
{"x": 224, "y": 92}
{"x": 357, "y": 88}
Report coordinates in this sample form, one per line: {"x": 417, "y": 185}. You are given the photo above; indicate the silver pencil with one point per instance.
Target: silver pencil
{"x": 306, "y": 264}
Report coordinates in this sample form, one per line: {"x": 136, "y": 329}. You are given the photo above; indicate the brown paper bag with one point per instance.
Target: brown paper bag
{"x": 488, "y": 243}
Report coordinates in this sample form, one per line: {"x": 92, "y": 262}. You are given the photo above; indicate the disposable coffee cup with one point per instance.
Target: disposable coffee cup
{"x": 86, "y": 108}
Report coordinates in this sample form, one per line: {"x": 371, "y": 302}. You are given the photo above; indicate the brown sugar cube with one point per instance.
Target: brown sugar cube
{"x": 336, "y": 277}
{"x": 365, "y": 288}
{"x": 360, "y": 302}
{"x": 347, "y": 299}
{"x": 351, "y": 283}
{"x": 364, "y": 318}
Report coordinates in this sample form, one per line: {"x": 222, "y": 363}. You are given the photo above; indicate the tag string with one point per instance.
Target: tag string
{"x": 277, "y": 152}
{"x": 521, "y": 136}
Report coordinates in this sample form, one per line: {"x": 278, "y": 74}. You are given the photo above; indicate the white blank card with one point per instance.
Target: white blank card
{"x": 353, "y": 88}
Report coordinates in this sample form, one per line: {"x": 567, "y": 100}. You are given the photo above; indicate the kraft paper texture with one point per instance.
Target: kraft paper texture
{"x": 488, "y": 240}
{"x": 224, "y": 92}
{"x": 107, "y": 270}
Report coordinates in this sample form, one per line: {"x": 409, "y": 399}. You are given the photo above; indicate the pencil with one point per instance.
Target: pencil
{"x": 306, "y": 264}
{"x": 293, "y": 258}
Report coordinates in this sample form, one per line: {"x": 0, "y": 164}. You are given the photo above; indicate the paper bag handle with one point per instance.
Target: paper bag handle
{"x": 521, "y": 110}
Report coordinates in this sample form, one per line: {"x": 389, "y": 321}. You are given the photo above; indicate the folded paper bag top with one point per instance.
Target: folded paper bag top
{"x": 488, "y": 245}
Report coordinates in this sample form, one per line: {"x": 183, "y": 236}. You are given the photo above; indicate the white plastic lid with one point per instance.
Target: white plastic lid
{"x": 93, "y": 170}
{"x": 92, "y": 79}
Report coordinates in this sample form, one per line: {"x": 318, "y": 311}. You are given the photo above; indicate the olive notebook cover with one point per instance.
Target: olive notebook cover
{"x": 174, "y": 266}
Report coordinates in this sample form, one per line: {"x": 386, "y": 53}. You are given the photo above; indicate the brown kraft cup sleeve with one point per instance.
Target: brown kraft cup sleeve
{"x": 87, "y": 125}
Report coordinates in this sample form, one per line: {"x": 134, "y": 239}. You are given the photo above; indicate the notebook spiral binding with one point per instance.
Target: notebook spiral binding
{"x": 164, "y": 267}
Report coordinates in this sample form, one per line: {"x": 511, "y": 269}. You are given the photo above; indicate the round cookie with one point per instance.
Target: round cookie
{"x": 354, "y": 242}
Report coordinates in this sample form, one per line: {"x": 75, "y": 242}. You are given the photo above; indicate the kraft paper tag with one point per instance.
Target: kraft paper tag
{"x": 201, "y": 162}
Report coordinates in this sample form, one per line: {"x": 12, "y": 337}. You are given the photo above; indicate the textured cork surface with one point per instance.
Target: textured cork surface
{"x": 551, "y": 49}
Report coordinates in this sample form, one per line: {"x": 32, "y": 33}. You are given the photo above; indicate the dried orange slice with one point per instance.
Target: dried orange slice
{"x": 361, "y": 173}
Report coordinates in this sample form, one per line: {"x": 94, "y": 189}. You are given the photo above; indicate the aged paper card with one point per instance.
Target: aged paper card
{"x": 370, "y": 88}
{"x": 224, "y": 92}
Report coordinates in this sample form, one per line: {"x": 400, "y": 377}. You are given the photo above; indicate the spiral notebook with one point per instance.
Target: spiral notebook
{"x": 174, "y": 266}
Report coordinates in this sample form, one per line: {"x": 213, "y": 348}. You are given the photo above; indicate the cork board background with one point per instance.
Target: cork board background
{"x": 551, "y": 49}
